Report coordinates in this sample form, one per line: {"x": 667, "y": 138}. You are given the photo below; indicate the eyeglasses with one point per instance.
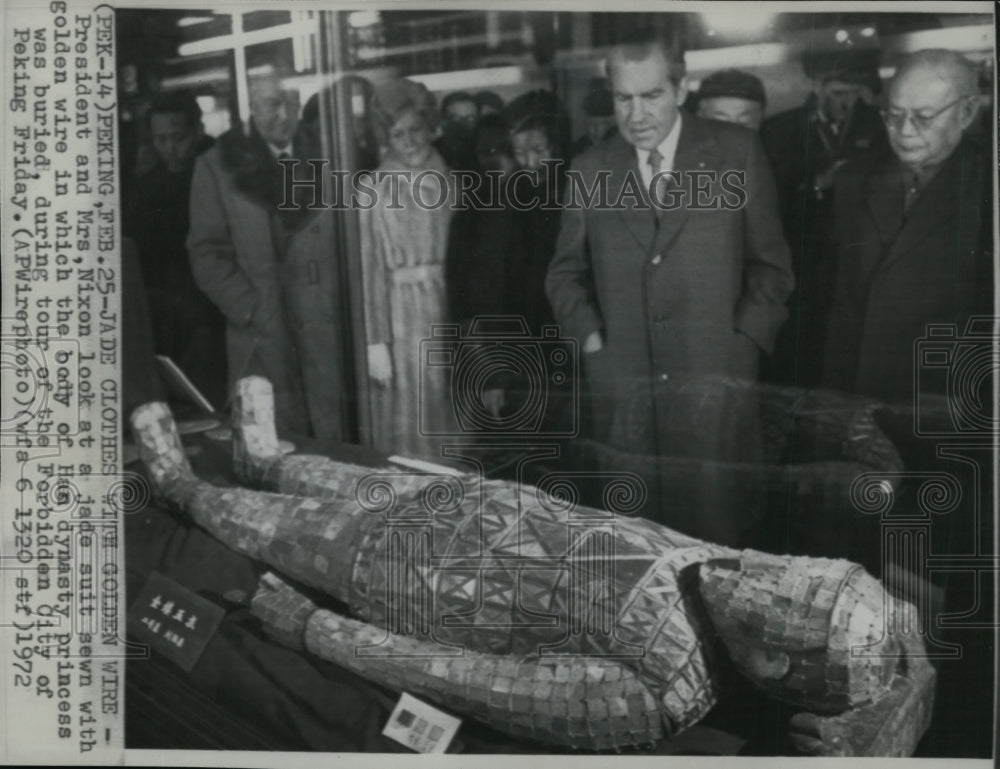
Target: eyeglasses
{"x": 896, "y": 118}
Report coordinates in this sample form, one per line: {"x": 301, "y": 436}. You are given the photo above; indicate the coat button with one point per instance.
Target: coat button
{"x": 656, "y": 260}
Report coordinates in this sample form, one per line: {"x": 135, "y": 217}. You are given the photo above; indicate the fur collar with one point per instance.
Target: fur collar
{"x": 260, "y": 177}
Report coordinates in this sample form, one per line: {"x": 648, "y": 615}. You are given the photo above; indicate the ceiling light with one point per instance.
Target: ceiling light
{"x": 190, "y": 21}
{"x": 728, "y": 21}
{"x": 359, "y": 19}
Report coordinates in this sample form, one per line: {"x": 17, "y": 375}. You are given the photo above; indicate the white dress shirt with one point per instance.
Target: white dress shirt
{"x": 668, "y": 150}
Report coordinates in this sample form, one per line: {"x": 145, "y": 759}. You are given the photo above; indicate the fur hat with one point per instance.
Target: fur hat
{"x": 733, "y": 83}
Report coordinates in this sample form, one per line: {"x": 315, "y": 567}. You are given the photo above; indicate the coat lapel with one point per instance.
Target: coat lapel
{"x": 937, "y": 204}
{"x": 638, "y": 219}
{"x": 696, "y": 150}
{"x": 884, "y": 199}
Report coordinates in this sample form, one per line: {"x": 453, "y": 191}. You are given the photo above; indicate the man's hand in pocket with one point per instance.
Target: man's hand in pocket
{"x": 379, "y": 364}
{"x": 594, "y": 343}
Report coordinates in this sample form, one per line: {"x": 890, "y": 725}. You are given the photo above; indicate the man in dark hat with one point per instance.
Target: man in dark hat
{"x": 732, "y": 96}
{"x": 806, "y": 145}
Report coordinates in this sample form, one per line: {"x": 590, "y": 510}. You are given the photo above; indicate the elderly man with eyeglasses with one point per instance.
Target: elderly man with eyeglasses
{"x": 913, "y": 230}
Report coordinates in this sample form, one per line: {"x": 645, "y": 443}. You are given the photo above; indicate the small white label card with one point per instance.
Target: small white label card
{"x": 420, "y": 726}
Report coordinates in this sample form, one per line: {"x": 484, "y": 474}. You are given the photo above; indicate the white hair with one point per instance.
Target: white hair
{"x": 944, "y": 63}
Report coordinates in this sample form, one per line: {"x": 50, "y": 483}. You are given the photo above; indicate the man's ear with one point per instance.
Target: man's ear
{"x": 970, "y": 109}
{"x": 682, "y": 90}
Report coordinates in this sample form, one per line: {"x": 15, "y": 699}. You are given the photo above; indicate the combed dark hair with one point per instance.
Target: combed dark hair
{"x": 175, "y": 103}
{"x": 539, "y": 110}
{"x": 639, "y": 46}
{"x": 455, "y": 97}
{"x": 489, "y": 99}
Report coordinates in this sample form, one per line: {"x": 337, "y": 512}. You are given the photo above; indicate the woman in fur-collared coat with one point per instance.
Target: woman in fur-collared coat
{"x": 272, "y": 273}
{"x": 404, "y": 238}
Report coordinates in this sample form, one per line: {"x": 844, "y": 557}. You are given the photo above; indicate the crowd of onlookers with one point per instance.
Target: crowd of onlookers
{"x": 866, "y": 217}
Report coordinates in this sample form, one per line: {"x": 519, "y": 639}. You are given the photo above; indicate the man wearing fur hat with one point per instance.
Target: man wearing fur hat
{"x": 271, "y": 272}
{"x": 732, "y": 96}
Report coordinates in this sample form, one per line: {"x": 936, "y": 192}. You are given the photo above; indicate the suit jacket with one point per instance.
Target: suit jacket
{"x": 695, "y": 295}
{"x": 679, "y": 297}
{"x": 898, "y": 273}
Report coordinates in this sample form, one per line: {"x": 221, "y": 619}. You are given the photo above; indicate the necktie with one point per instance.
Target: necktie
{"x": 655, "y": 161}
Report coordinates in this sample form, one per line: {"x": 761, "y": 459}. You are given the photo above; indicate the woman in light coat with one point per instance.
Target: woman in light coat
{"x": 404, "y": 237}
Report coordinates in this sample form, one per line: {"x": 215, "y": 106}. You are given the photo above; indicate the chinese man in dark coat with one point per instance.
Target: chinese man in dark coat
{"x": 913, "y": 231}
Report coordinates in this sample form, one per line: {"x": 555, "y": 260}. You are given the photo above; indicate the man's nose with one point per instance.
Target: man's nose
{"x": 906, "y": 127}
